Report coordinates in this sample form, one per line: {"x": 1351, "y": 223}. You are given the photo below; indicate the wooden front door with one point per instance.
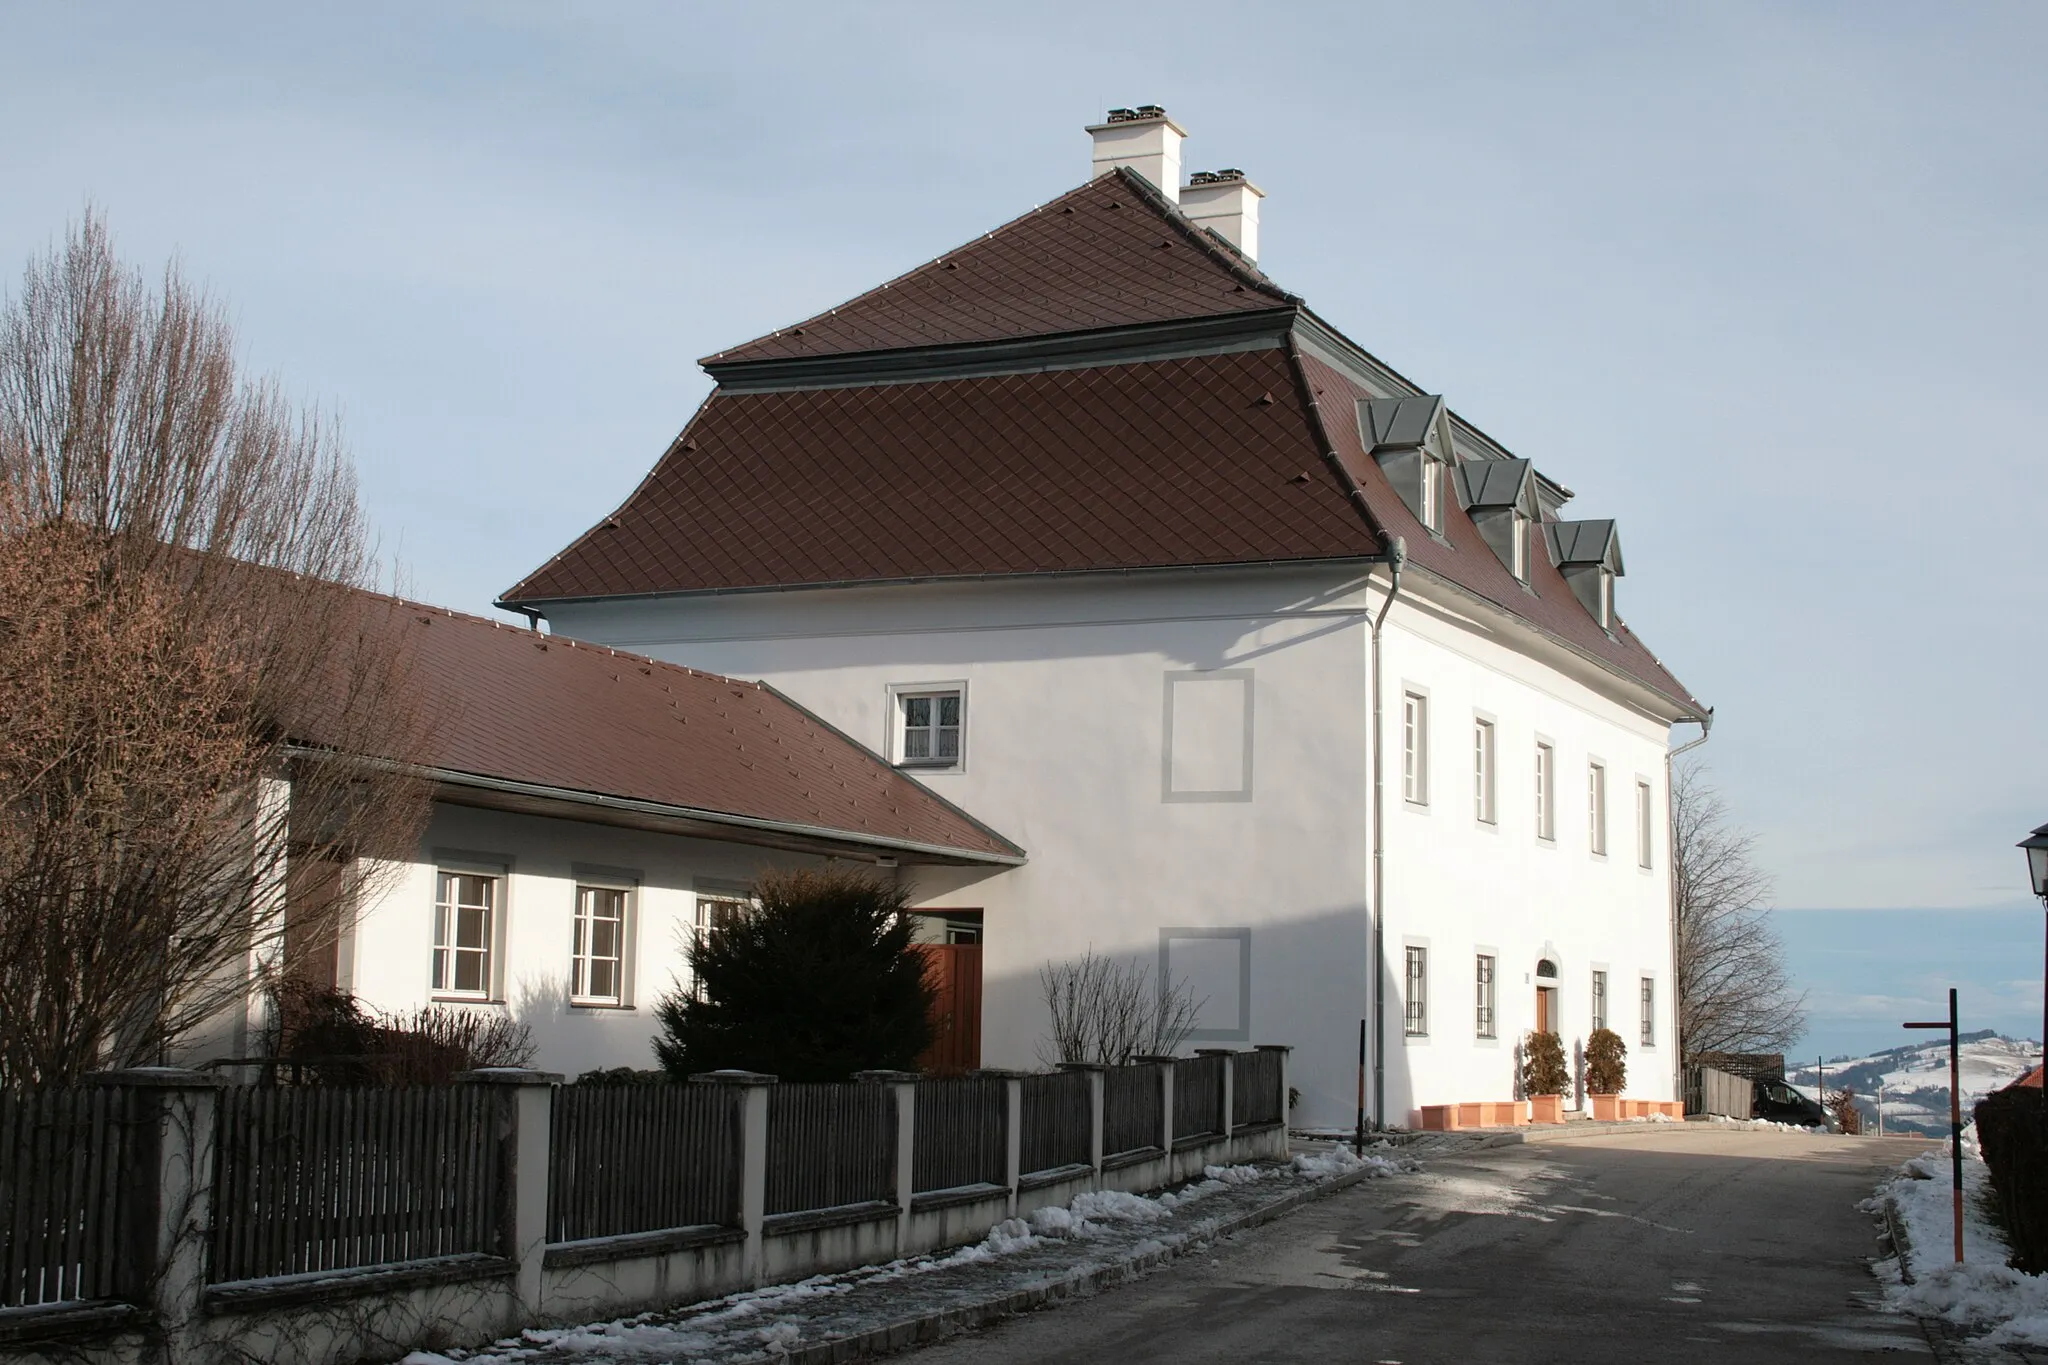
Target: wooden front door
{"x": 1546, "y": 1009}
{"x": 955, "y": 972}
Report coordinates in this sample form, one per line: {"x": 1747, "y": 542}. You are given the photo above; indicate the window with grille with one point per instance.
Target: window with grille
{"x": 1643, "y": 824}
{"x": 1546, "y": 802}
{"x": 1482, "y": 770}
{"x": 1596, "y": 806}
{"x": 928, "y": 728}
{"x": 1415, "y": 1018}
{"x": 1599, "y": 1000}
{"x": 465, "y": 929}
{"x": 1649, "y": 1012}
{"x": 1486, "y": 1026}
{"x": 597, "y": 962}
{"x": 1415, "y": 748}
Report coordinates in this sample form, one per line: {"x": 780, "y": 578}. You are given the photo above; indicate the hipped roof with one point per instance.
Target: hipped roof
{"x": 1214, "y": 457}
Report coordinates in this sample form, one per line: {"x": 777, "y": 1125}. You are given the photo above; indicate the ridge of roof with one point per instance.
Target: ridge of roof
{"x": 1063, "y": 298}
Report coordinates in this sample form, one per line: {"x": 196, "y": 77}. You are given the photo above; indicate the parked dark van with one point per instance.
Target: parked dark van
{"x": 1780, "y": 1103}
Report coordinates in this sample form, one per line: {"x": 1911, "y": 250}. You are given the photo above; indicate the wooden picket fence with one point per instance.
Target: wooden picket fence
{"x": 322, "y": 1178}
{"x": 71, "y": 1177}
{"x": 642, "y": 1158}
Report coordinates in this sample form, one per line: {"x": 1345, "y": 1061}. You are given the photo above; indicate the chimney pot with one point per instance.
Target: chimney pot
{"x": 1226, "y": 203}
{"x": 1145, "y": 140}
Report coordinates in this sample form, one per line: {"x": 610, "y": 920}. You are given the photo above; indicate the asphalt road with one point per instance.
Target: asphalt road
{"x": 1705, "y": 1245}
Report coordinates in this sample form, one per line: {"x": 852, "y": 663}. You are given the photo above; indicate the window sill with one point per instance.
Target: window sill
{"x": 920, "y": 766}
{"x": 443, "y": 998}
{"x": 603, "y": 1006}
{"x": 1419, "y": 807}
{"x": 1414, "y": 1039}
{"x": 1550, "y": 843}
{"x": 1485, "y": 826}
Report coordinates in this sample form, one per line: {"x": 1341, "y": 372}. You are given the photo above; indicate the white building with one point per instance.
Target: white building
{"x": 1088, "y": 524}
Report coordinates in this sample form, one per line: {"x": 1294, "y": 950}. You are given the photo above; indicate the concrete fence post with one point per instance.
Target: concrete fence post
{"x": 1229, "y": 1069}
{"x": 1095, "y": 1113}
{"x": 1013, "y": 1128}
{"x": 525, "y": 1134}
{"x": 1165, "y": 1065}
{"x": 904, "y": 1083}
{"x": 753, "y": 1160}
{"x": 171, "y": 1197}
{"x": 1284, "y": 1052}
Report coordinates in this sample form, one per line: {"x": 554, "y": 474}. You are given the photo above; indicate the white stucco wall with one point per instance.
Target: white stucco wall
{"x": 1066, "y": 739}
{"x": 1067, "y": 687}
{"x": 1460, "y": 886}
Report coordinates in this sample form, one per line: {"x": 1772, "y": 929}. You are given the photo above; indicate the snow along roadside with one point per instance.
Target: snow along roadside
{"x": 1922, "y": 1278}
{"x": 1100, "y": 1238}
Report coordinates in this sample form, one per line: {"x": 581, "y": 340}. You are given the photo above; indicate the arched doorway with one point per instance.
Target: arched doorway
{"x": 1548, "y": 1017}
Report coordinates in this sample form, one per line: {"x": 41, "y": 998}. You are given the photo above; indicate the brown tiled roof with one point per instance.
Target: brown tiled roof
{"x": 1467, "y": 560}
{"x": 1204, "y": 460}
{"x": 1109, "y": 254}
{"x": 515, "y": 705}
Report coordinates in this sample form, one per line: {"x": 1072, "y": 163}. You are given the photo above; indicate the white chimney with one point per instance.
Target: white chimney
{"x": 1228, "y": 204}
{"x": 1144, "y": 139}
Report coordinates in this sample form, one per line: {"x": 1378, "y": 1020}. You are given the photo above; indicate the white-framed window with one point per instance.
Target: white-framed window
{"x": 1643, "y": 846}
{"x": 1415, "y": 748}
{"x": 1596, "y": 806}
{"x": 1546, "y": 791}
{"x": 1415, "y": 1004}
{"x": 597, "y": 952}
{"x": 930, "y": 726}
{"x": 1606, "y": 599}
{"x": 715, "y": 910}
{"x": 1432, "y": 492}
{"x": 1599, "y": 999}
{"x": 1649, "y": 1011}
{"x": 466, "y": 910}
{"x": 1482, "y": 770}
{"x": 1518, "y": 546}
{"x": 1486, "y": 1022}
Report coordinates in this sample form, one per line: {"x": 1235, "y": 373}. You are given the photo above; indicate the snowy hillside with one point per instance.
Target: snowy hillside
{"x": 1915, "y": 1078}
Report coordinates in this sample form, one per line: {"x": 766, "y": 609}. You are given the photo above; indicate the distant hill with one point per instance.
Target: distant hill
{"x": 1915, "y": 1078}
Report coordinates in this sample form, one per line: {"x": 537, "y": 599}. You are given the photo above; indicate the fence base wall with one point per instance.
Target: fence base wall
{"x": 795, "y": 1254}
{"x": 629, "y": 1283}
{"x": 342, "y": 1324}
{"x": 934, "y": 1225}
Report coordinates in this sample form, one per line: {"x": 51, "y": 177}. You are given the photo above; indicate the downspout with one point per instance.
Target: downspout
{"x": 1706, "y": 724}
{"x": 1397, "y": 555}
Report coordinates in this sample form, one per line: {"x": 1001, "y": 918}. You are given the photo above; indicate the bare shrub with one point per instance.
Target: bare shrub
{"x": 1606, "y": 1062}
{"x": 331, "y": 1039}
{"x": 187, "y": 678}
{"x": 1842, "y": 1105}
{"x": 1734, "y": 994}
{"x": 1543, "y": 1066}
{"x": 1107, "y": 1011}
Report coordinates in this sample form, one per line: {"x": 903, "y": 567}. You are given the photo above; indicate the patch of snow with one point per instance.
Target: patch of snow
{"x": 1723, "y": 1121}
{"x": 1982, "y": 1291}
{"x": 1339, "y": 1159}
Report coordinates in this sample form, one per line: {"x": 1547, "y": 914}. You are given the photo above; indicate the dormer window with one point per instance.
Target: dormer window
{"x": 1588, "y": 554}
{"x": 1409, "y": 439}
{"x": 1432, "y": 492}
{"x": 1518, "y": 549}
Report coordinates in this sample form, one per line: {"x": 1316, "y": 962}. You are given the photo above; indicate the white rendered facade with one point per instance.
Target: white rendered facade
{"x": 1185, "y": 756}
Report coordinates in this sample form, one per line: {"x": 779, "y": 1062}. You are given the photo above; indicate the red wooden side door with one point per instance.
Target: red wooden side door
{"x": 955, "y": 972}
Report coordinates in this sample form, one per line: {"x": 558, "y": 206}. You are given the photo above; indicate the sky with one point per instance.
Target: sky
{"x": 1762, "y": 282}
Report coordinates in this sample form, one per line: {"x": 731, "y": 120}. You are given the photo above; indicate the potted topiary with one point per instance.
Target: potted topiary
{"x": 1606, "y": 1072}
{"x": 1545, "y": 1077}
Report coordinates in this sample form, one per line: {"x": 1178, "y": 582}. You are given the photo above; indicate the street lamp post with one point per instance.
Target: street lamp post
{"x": 2036, "y": 845}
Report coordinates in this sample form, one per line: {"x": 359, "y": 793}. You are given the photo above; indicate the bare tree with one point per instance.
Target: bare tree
{"x": 1734, "y": 994}
{"x": 1106, "y": 1010}
{"x": 200, "y": 707}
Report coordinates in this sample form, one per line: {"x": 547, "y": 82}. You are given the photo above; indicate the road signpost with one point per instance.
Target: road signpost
{"x": 1955, "y": 1113}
